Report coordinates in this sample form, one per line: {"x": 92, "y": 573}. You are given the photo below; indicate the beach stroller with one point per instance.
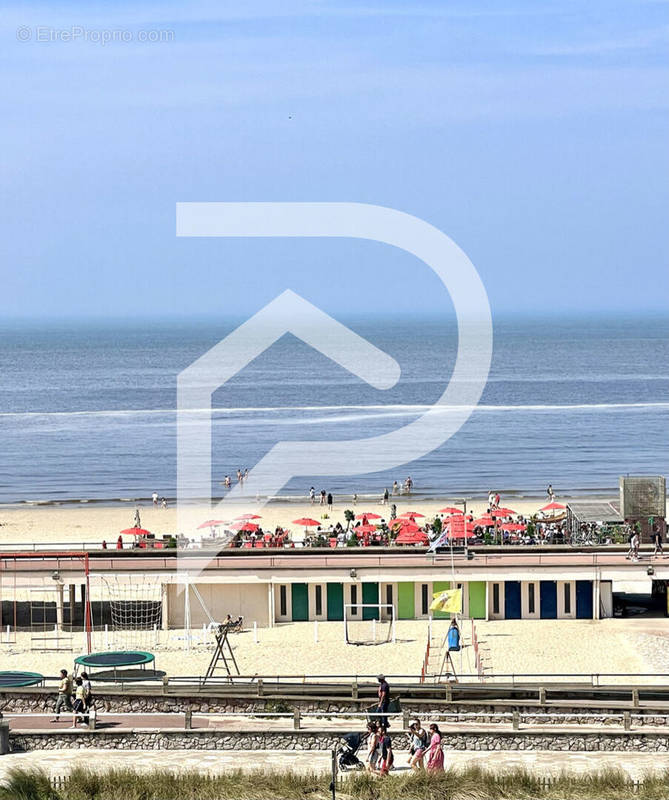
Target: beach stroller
{"x": 346, "y": 752}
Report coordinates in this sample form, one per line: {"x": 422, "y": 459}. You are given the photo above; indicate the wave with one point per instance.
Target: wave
{"x": 387, "y": 409}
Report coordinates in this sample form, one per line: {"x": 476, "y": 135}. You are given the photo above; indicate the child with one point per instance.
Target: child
{"x": 386, "y": 747}
{"x": 79, "y": 702}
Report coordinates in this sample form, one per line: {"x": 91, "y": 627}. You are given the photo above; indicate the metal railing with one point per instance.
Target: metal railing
{"x": 552, "y": 680}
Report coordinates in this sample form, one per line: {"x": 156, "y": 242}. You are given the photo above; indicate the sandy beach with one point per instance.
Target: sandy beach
{"x": 93, "y": 523}
{"x": 515, "y": 647}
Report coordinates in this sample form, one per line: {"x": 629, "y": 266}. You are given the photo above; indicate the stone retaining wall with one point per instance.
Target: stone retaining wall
{"x": 303, "y": 740}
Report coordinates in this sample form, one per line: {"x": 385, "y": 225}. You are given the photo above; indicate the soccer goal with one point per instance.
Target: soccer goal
{"x": 134, "y": 604}
{"x": 369, "y": 623}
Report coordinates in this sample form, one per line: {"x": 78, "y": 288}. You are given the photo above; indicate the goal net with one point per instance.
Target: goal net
{"x": 134, "y": 606}
{"x": 369, "y": 623}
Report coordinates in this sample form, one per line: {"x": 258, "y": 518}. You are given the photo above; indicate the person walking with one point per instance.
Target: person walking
{"x": 549, "y": 493}
{"x": 396, "y": 488}
{"x": 79, "y": 702}
{"x": 435, "y": 755}
{"x": 323, "y": 497}
{"x": 386, "y": 495}
{"x": 330, "y": 500}
{"x": 89, "y": 700}
{"x": 154, "y": 497}
{"x": 372, "y": 747}
{"x": 636, "y": 541}
{"x": 393, "y": 511}
{"x": 64, "y": 695}
{"x": 418, "y": 744}
{"x": 386, "y": 747}
{"x": 384, "y": 700}
{"x": 657, "y": 541}
{"x": 312, "y": 495}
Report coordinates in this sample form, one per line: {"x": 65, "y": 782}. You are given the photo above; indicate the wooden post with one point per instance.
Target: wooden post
{"x": 516, "y": 720}
{"x": 260, "y": 690}
{"x": 296, "y": 719}
{"x": 627, "y": 720}
{"x": 188, "y": 721}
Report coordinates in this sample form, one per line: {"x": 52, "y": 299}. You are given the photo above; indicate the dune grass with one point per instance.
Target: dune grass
{"x": 472, "y": 783}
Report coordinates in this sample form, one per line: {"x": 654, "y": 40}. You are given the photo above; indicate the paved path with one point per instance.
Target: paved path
{"x": 324, "y": 724}
{"x": 59, "y": 762}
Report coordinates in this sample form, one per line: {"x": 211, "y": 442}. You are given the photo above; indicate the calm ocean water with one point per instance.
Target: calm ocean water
{"x": 87, "y": 410}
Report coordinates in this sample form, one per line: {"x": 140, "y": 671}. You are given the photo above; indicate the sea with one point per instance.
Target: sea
{"x": 87, "y": 409}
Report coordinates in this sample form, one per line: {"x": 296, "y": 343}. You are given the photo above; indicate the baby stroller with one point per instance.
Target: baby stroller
{"x": 346, "y": 752}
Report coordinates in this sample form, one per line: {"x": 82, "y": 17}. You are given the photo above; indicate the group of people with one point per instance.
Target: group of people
{"x": 406, "y": 488}
{"x": 159, "y": 501}
{"x": 424, "y": 746}
{"x": 326, "y": 498}
{"x": 76, "y": 697}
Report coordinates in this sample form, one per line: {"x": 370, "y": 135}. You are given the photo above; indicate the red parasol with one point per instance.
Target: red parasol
{"x": 306, "y": 522}
{"x": 249, "y": 516}
{"x": 485, "y": 521}
{"x": 513, "y": 527}
{"x": 411, "y": 514}
{"x": 369, "y": 516}
{"x": 212, "y": 523}
{"x": 458, "y": 528}
{"x": 504, "y": 512}
{"x": 410, "y": 527}
{"x": 248, "y": 527}
{"x": 553, "y": 507}
{"x": 450, "y": 510}
{"x": 136, "y": 532}
{"x": 362, "y": 529}
{"x": 412, "y": 537}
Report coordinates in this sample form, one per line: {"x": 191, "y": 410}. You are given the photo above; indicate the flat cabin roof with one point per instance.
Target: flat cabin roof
{"x": 595, "y": 512}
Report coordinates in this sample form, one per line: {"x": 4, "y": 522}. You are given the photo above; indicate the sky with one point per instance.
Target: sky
{"x": 533, "y": 134}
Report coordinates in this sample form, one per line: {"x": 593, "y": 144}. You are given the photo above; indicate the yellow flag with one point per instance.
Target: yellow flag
{"x": 449, "y": 601}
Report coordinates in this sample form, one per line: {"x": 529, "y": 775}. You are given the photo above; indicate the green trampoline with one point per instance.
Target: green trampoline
{"x": 11, "y": 680}
{"x": 116, "y": 658}
{"x": 112, "y": 662}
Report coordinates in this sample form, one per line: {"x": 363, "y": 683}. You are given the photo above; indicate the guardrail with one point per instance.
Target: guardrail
{"x": 550, "y": 680}
{"x": 514, "y": 718}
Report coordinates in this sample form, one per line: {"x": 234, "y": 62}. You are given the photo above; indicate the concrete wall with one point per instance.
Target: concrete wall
{"x": 247, "y": 600}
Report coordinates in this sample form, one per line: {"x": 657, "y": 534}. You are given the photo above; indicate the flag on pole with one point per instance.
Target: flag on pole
{"x": 449, "y": 601}
{"x": 440, "y": 541}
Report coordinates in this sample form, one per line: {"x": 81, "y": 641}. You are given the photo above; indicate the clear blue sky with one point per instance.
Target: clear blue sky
{"x": 533, "y": 133}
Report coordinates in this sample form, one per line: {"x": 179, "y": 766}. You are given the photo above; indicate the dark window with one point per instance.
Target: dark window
{"x": 354, "y": 599}
{"x": 389, "y": 595}
{"x": 283, "y": 601}
{"x": 495, "y": 598}
{"x": 530, "y": 598}
{"x": 567, "y": 598}
{"x": 319, "y": 600}
{"x": 425, "y": 606}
